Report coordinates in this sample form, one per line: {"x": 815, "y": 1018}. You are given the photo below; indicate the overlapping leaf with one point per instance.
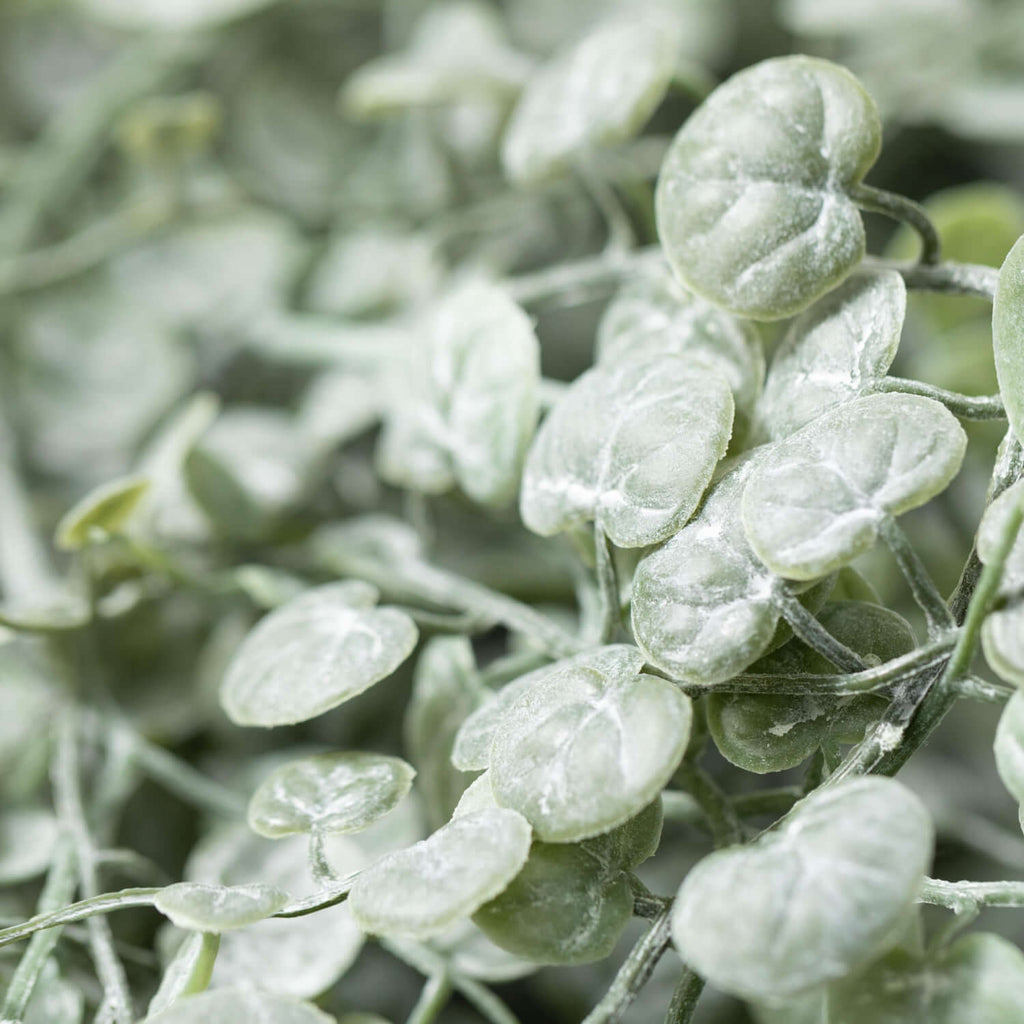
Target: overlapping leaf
{"x": 1002, "y": 633}
{"x": 218, "y": 908}
{"x": 230, "y": 1005}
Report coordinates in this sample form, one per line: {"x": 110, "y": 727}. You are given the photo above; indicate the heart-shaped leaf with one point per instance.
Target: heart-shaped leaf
{"x": 1008, "y": 335}
{"x": 588, "y": 744}
{"x": 420, "y": 891}
{"x": 231, "y": 1005}
{"x": 329, "y": 793}
{"x": 818, "y": 897}
{"x": 752, "y": 202}
{"x": 218, "y": 908}
{"x": 313, "y": 653}
{"x": 598, "y": 92}
{"x": 1002, "y": 632}
{"x": 817, "y": 499}
{"x": 630, "y": 446}
{"x": 1009, "y": 747}
{"x": 835, "y": 351}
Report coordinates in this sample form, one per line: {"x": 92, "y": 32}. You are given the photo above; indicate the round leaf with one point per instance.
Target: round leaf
{"x": 817, "y": 499}
{"x": 598, "y": 92}
{"x": 588, "y": 744}
{"x": 1008, "y": 335}
{"x": 421, "y": 890}
{"x": 230, "y": 1005}
{"x": 329, "y": 793}
{"x": 834, "y": 352}
{"x": 1002, "y": 632}
{"x": 313, "y": 653}
{"x": 218, "y": 908}
{"x": 1009, "y": 747}
{"x": 102, "y": 511}
{"x": 27, "y": 837}
{"x": 631, "y": 446}
{"x": 752, "y": 201}
{"x": 816, "y": 898}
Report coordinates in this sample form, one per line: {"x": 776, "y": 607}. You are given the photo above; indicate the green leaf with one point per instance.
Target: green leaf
{"x": 1009, "y": 747}
{"x": 654, "y": 314}
{"x": 816, "y": 898}
{"x": 314, "y": 653}
{"x": 752, "y": 201}
{"x": 817, "y": 499}
{"x": 420, "y": 891}
{"x": 596, "y": 93}
{"x": 27, "y": 837}
{"x": 466, "y": 403}
{"x": 229, "y": 1006}
{"x": 1001, "y": 632}
{"x": 329, "y": 793}
{"x": 588, "y": 744}
{"x": 103, "y": 511}
{"x": 218, "y": 908}
{"x": 979, "y": 978}
{"x": 631, "y": 446}
{"x": 187, "y": 972}
{"x": 1008, "y": 335}
{"x": 837, "y": 350}
{"x": 572, "y": 901}
{"x": 772, "y": 732}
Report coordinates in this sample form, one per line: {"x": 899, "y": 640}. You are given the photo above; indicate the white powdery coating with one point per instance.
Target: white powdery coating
{"x": 313, "y": 653}
{"x": 218, "y": 908}
{"x": 819, "y": 897}
{"x": 751, "y": 201}
{"x": 421, "y": 890}
{"x": 835, "y": 351}
{"x": 588, "y": 744}
{"x": 1008, "y": 335}
{"x": 599, "y": 92}
{"x": 229, "y": 1006}
{"x": 817, "y": 499}
{"x": 1009, "y": 747}
{"x": 631, "y": 446}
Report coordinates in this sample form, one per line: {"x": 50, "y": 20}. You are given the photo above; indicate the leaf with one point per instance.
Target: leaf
{"x": 1001, "y": 632}
{"x": 588, "y": 744}
{"x": 218, "y": 908}
{"x": 27, "y": 838}
{"x": 103, "y": 511}
{"x": 835, "y": 351}
{"x": 818, "y": 498}
{"x": 472, "y": 954}
{"x": 420, "y": 891}
{"x": 328, "y": 793}
{"x": 29, "y": 703}
{"x": 231, "y": 1005}
{"x": 979, "y": 978}
{"x": 629, "y": 446}
{"x": 1009, "y": 746}
{"x": 596, "y": 93}
{"x": 572, "y": 901}
{"x": 313, "y": 653}
{"x": 752, "y": 201}
{"x": 773, "y": 732}
{"x": 813, "y": 900}
{"x": 465, "y": 410}
{"x": 1008, "y": 335}
{"x": 654, "y": 313}
{"x": 187, "y": 972}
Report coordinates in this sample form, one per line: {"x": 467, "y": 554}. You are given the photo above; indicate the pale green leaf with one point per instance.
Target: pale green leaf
{"x": 329, "y": 793}
{"x": 752, "y": 201}
{"x": 1002, "y": 632}
{"x": 232, "y": 1005}
{"x": 472, "y": 954}
{"x": 188, "y": 971}
{"x": 836, "y": 351}
{"x": 422, "y": 890}
{"x": 313, "y": 653}
{"x": 1008, "y": 335}
{"x": 27, "y": 838}
{"x": 818, "y": 498}
{"x": 103, "y": 511}
{"x": 218, "y": 908}
{"x": 631, "y": 446}
{"x": 820, "y": 896}
{"x": 588, "y": 744}
{"x": 1009, "y": 747}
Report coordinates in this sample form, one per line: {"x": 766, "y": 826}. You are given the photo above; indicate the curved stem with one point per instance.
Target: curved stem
{"x": 433, "y": 999}
{"x": 814, "y": 634}
{"x": 905, "y": 210}
{"x": 608, "y": 587}
{"x": 948, "y": 277}
{"x": 579, "y": 280}
{"x": 684, "y": 999}
{"x": 964, "y": 896}
{"x": 922, "y": 586}
{"x": 966, "y": 407}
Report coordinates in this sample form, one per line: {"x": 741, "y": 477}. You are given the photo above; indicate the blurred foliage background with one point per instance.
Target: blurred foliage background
{"x": 217, "y": 218}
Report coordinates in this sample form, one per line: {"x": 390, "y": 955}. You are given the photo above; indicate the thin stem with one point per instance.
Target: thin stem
{"x": 814, "y": 634}
{"x": 608, "y": 587}
{"x": 635, "y": 972}
{"x": 948, "y": 277}
{"x": 726, "y": 827}
{"x": 922, "y": 586}
{"x": 323, "y": 873}
{"x": 685, "y": 998}
{"x": 966, "y": 407}
{"x": 646, "y": 904}
{"x": 975, "y": 688}
{"x": 621, "y": 237}
{"x": 965, "y": 896}
{"x": 329, "y": 896}
{"x": 578, "y": 281}
{"x": 905, "y": 210}
{"x": 433, "y": 999}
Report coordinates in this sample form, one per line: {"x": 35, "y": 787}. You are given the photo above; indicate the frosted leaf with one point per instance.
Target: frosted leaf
{"x": 835, "y": 351}
{"x": 751, "y": 203}
{"x": 420, "y": 891}
{"x": 978, "y": 978}
{"x": 588, "y": 744}
{"x": 329, "y": 793}
{"x": 478, "y": 796}
{"x": 598, "y": 92}
{"x": 1008, "y": 335}
{"x": 631, "y": 446}
{"x": 27, "y": 838}
{"x": 313, "y": 653}
{"x": 1002, "y": 632}
{"x": 103, "y": 511}
{"x": 1009, "y": 746}
{"x": 654, "y": 313}
{"x": 377, "y": 538}
{"x": 466, "y": 408}
{"x": 472, "y": 954}
{"x": 231, "y": 1005}
{"x": 813, "y": 900}
{"x": 336, "y": 408}
{"x": 218, "y": 908}
{"x": 817, "y": 499}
